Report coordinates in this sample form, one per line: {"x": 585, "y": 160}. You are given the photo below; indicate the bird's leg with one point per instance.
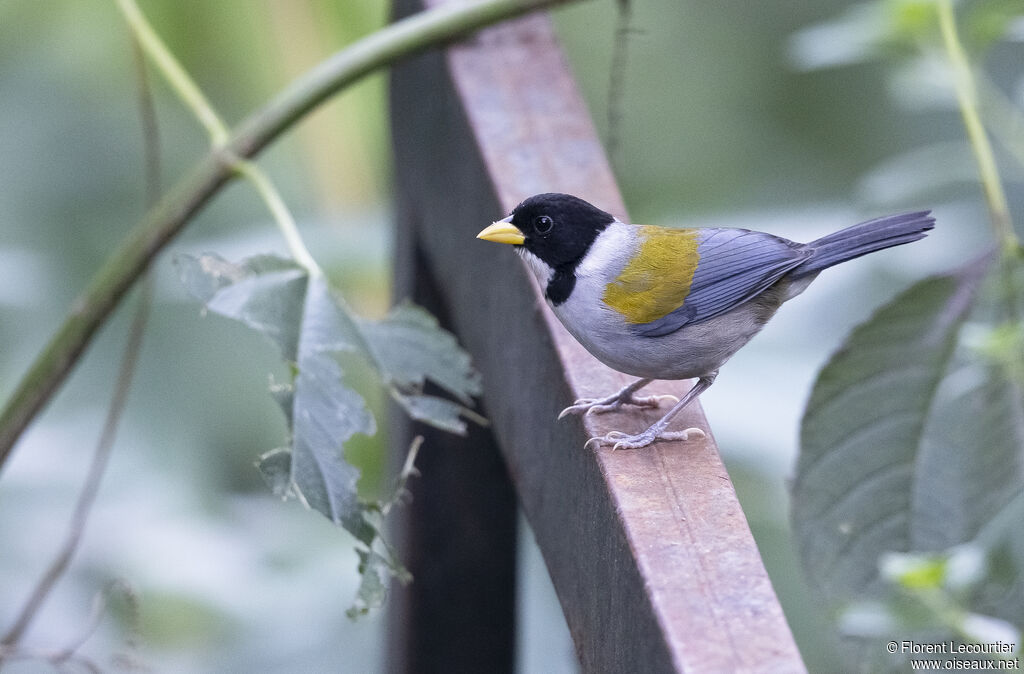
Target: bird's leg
{"x": 615, "y": 400}
{"x": 620, "y": 440}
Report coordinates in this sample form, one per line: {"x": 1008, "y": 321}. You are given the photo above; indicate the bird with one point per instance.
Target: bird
{"x": 670, "y": 303}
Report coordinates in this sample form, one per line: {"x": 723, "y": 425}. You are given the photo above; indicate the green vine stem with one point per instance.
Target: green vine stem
{"x": 967, "y": 98}
{"x": 176, "y": 76}
{"x": 193, "y": 98}
{"x": 164, "y": 221}
{"x": 282, "y": 216}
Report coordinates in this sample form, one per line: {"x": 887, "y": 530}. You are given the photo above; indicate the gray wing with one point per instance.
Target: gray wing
{"x": 735, "y": 265}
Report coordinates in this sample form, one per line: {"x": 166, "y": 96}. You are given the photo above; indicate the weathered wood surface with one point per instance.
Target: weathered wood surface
{"x": 648, "y": 550}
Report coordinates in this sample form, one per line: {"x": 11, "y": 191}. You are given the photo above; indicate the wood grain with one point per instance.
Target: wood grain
{"x": 648, "y": 550}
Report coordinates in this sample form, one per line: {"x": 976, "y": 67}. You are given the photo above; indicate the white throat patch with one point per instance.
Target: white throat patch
{"x": 607, "y": 256}
{"x": 541, "y": 270}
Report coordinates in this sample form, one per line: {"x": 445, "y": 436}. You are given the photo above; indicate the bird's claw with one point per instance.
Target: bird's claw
{"x": 620, "y": 440}
{"x": 575, "y": 408}
{"x": 613, "y": 403}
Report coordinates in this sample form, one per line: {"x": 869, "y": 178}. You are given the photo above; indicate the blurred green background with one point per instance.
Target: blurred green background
{"x": 718, "y": 126}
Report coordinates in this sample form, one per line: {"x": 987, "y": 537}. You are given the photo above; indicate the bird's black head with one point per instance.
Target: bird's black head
{"x": 559, "y": 228}
{"x": 556, "y": 229}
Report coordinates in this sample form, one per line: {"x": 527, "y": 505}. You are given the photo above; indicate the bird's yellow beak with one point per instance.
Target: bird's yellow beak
{"x": 502, "y": 231}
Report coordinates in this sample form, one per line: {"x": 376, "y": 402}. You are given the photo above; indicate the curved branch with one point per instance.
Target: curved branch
{"x": 167, "y": 218}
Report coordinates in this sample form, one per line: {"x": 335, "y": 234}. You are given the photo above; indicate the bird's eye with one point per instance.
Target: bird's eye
{"x": 543, "y": 224}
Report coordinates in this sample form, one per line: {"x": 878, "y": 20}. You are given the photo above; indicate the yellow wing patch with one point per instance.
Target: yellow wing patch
{"x": 657, "y": 280}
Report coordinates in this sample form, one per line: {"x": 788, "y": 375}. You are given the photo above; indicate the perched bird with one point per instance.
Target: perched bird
{"x": 660, "y": 303}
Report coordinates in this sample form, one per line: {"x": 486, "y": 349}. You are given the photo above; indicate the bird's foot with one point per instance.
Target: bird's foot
{"x": 614, "y": 402}
{"x": 620, "y": 440}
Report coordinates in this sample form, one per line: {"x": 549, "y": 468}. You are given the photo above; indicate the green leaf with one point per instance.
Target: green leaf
{"x": 279, "y": 299}
{"x": 265, "y": 293}
{"x": 375, "y": 570}
{"x": 437, "y": 412}
{"x": 1003, "y": 593}
{"x": 313, "y": 329}
{"x": 410, "y": 349}
{"x": 327, "y": 413}
{"x": 276, "y": 468}
{"x": 927, "y": 598}
{"x": 863, "y": 436}
{"x": 399, "y": 493}
{"x": 284, "y": 395}
{"x": 973, "y": 450}
{"x": 913, "y": 442}
{"x": 914, "y": 571}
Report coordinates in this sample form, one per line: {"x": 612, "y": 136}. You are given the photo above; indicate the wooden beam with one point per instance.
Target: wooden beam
{"x": 457, "y": 536}
{"x": 648, "y": 550}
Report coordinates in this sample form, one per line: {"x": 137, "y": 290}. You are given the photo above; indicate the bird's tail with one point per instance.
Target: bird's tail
{"x": 867, "y": 237}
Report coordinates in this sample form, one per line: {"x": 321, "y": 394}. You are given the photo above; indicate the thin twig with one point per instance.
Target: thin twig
{"x": 98, "y": 466}
{"x": 99, "y": 608}
{"x": 36, "y": 654}
{"x": 403, "y": 38}
{"x": 192, "y": 96}
{"x": 172, "y": 70}
{"x": 967, "y": 98}
{"x": 617, "y": 77}
{"x": 101, "y": 455}
{"x": 150, "y": 128}
{"x": 282, "y": 216}
{"x": 400, "y": 492}
{"x": 966, "y": 86}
